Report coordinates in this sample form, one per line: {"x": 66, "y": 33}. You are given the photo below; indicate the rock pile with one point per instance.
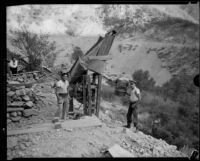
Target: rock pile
{"x": 27, "y": 77}
{"x": 146, "y": 146}
{"x": 21, "y": 102}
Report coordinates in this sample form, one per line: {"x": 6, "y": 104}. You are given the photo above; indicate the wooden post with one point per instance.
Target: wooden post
{"x": 71, "y": 104}
{"x": 89, "y": 94}
{"x": 84, "y": 95}
{"x": 98, "y": 94}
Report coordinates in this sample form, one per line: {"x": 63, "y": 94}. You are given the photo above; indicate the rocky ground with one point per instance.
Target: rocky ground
{"x": 82, "y": 142}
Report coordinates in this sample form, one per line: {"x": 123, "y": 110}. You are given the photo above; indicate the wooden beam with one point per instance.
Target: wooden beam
{"x": 86, "y": 121}
{"x": 89, "y": 94}
{"x": 84, "y": 95}
{"x": 71, "y": 104}
{"x": 107, "y": 57}
{"x": 98, "y": 94}
{"x": 48, "y": 127}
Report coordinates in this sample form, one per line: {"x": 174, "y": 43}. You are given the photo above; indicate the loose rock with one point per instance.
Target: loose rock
{"x": 29, "y": 104}
{"x": 16, "y": 119}
{"x": 14, "y": 114}
{"x": 10, "y": 93}
{"x": 26, "y": 98}
{"x": 19, "y": 113}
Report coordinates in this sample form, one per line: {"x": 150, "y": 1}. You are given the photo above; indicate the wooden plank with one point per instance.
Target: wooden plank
{"x": 47, "y": 127}
{"x": 108, "y": 57}
{"x": 71, "y": 104}
{"x": 89, "y": 94}
{"x": 98, "y": 94}
{"x": 87, "y": 121}
{"x": 84, "y": 95}
{"x": 97, "y": 66}
{"x": 117, "y": 151}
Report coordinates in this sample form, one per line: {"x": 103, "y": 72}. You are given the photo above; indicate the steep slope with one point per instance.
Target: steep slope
{"x": 149, "y": 30}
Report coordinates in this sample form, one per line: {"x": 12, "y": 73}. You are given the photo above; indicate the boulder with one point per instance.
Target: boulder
{"x": 16, "y": 119}
{"x": 30, "y": 112}
{"x": 22, "y": 87}
{"x": 29, "y": 104}
{"x": 10, "y": 93}
{"x": 8, "y": 115}
{"x": 13, "y": 114}
{"x": 19, "y": 113}
{"x": 20, "y": 79}
{"x": 26, "y": 98}
{"x": 17, "y": 92}
{"x": 28, "y": 92}
{"x": 15, "y": 98}
{"x": 8, "y": 89}
{"x": 9, "y": 121}
{"x": 22, "y": 92}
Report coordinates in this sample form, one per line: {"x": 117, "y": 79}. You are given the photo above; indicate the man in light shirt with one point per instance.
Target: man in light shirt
{"x": 135, "y": 97}
{"x": 62, "y": 94}
{"x": 13, "y": 65}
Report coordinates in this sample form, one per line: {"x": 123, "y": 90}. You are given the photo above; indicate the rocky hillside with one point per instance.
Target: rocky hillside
{"x": 161, "y": 39}
{"x": 81, "y": 142}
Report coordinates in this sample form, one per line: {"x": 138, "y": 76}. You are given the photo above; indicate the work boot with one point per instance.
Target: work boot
{"x": 127, "y": 126}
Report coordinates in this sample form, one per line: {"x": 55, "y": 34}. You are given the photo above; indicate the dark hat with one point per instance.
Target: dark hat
{"x": 133, "y": 81}
{"x": 64, "y": 72}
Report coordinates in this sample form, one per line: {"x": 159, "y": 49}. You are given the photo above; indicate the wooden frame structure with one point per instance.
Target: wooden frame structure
{"x": 87, "y": 87}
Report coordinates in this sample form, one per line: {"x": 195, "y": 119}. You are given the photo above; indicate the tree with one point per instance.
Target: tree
{"x": 76, "y": 54}
{"x": 143, "y": 79}
{"x": 35, "y": 47}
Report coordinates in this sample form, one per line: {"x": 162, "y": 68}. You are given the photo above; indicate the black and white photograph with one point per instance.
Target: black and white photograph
{"x": 102, "y": 81}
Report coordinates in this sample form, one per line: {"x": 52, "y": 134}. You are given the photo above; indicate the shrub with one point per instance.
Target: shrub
{"x": 144, "y": 81}
{"x": 107, "y": 93}
{"x": 164, "y": 134}
{"x": 183, "y": 111}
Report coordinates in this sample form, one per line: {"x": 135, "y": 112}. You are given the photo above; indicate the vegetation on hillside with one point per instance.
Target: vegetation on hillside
{"x": 179, "y": 123}
{"x": 76, "y": 54}
{"x": 35, "y": 47}
{"x": 176, "y": 104}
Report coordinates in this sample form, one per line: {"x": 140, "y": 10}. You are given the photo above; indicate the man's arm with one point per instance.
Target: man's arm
{"x": 137, "y": 93}
{"x": 55, "y": 86}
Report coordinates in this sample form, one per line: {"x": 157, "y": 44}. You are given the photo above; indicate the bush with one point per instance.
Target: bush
{"x": 107, "y": 93}
{"x": 183, "y": 111}
{"x": 164, "y": 134}
{"x": 143, "y": 79}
